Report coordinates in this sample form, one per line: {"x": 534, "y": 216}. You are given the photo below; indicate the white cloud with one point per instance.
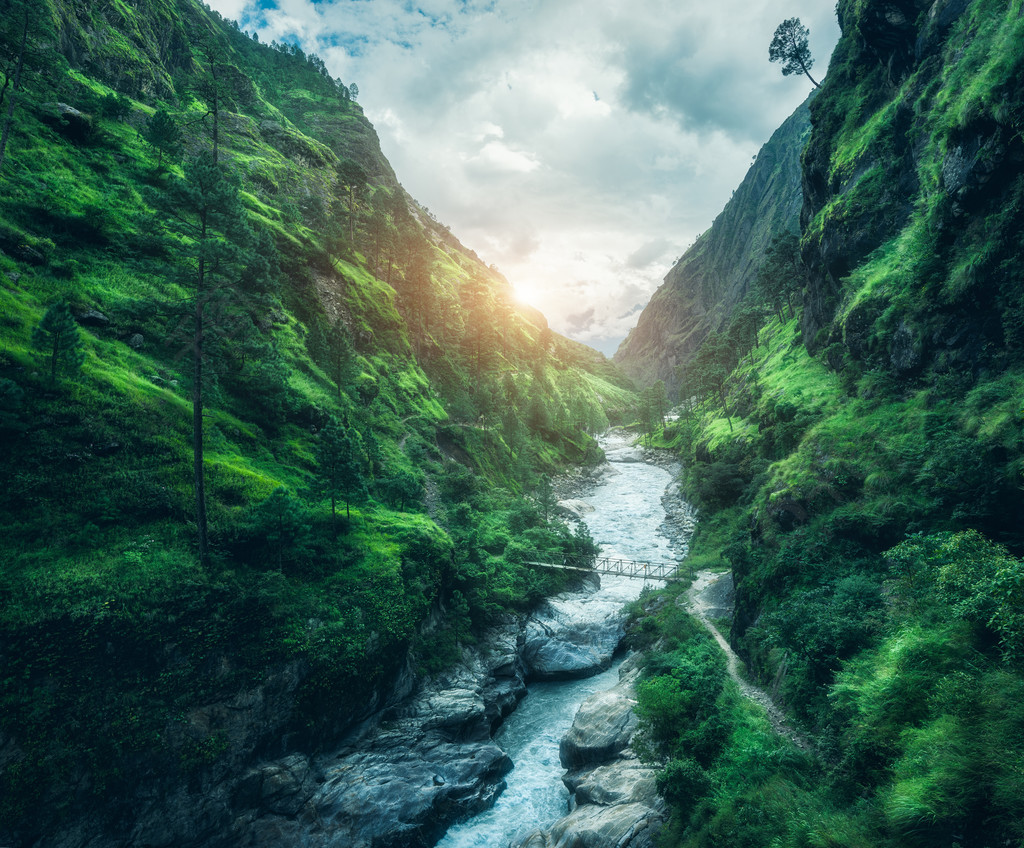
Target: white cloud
{"x": 579, "y": 145}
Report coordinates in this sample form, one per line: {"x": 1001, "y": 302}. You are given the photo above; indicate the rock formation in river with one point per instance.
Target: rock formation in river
{"x": 614, "y": 799}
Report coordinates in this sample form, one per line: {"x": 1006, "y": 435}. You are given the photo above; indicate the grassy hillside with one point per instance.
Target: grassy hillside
{"x": 860, "y": 469}
{"x": 376, "y": 409}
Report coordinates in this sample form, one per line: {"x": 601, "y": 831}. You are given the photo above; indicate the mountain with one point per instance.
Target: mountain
{"x": 265, "y": 424}
{"x": 704, "y": 286}
{"x": 858, "y": 466}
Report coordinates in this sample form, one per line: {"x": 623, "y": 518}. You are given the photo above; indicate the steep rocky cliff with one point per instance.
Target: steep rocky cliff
{"x": 863, "y": 469}
{"x": 912, "y": 186}
{"x": 714, "y": 274}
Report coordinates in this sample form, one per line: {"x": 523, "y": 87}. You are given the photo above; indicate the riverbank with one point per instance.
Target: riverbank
{"x": 605, "y": 794}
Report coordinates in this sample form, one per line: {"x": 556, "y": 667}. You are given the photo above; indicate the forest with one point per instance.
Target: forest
{"x": 271, "y": 435}
{"x": 851, "y": 434}
{"x": 260, "y": 411}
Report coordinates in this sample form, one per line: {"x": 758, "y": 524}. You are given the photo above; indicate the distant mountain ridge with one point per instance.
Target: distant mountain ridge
{"x": 714, "y": 274}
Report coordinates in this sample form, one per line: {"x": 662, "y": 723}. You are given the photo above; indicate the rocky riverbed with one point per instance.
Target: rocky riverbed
{"x": 611, "y": 797}
{"x": 423, "y": 755}
{"x": 420, "y": 765}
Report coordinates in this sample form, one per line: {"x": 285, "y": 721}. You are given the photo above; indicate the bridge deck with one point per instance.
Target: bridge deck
{"x": 617, "y": 567}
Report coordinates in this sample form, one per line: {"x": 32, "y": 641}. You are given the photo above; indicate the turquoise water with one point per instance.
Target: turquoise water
{"x": 625, "y": 521}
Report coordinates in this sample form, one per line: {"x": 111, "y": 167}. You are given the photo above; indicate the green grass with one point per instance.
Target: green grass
{"x": 118, "y": 633}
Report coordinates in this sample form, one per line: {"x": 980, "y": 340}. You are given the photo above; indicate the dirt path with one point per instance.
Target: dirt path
{"x": 698, "y": 603}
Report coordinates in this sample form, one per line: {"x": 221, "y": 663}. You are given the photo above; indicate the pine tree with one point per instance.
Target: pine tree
{"x": 789, "y": 46}
{"x": 341, "y": 356}
{"x": 163, "y": 135}
{"x": 282, "y": 523}
{"x": 57, "y": 335}
{"x": 337, "y": 467}
{"x": 205, "y": 209}
{"x": 546, "y": 499}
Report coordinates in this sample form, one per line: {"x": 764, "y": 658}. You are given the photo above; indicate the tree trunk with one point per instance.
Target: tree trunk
{"x": 198, "y": 479}
{"x": 814, "y": 82}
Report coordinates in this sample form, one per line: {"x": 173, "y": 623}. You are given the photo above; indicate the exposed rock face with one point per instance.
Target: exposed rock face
{"x": 403, "y": 781}
{"x": 700, "y": 291}
{"x": 614, "y": 800}
{"x": 569, "y": 637}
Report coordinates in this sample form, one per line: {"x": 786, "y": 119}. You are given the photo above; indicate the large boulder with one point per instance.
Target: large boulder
{"x": 603, "y": 726}
{"x": 621, "y": 826}
{"x": 571, "y": 637}
{"x": 625, "y": 781}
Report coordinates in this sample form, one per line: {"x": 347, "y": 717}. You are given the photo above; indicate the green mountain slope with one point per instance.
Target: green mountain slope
{"x": 859, "y": 468}
{"x": 704, "y": 286}
{"x": 375, "y": 407}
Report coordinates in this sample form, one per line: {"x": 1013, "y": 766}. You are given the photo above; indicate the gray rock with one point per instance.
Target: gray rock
{"x": 574, "y": 508}
{"x": 603, "y": 726}
{"x": 279, "y": 787}
{"x": 905, "y": 349}
{"x": 622, "y": 826}
{"x": 92, "y": 318}
{"x": 136, "y": 341}
{"x": 626, "y": 781}
{"x": 571, "y": 637}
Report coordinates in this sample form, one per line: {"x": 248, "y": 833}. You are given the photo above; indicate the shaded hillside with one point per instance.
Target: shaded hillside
{"x": 859, "y": 466}
{"x": 212, "y": 282}
{"x": 712, "y": 277}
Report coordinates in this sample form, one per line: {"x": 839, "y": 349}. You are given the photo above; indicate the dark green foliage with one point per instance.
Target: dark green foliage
{"x": 966, "y": 573}
{"x": 683, "y": 783}
{"x": 282, "y": 525}
{"x": 163, "y": 135}
{"x": 57, "y": 337}
{"x": 339, "y": 469}
{"x": 789, "y": 46}
{"x": 115, "y": 106}
{"x": 816, "y": 631}
{"x": 18, "y": 20}
{"x": 653, "y": 406}
{"x": 402, "y": 490}
{"x": 546, "y": 498}
{"x": 340, "y": 356}
{"x": 677, "y": 703}
{"x": 12, "y": 399}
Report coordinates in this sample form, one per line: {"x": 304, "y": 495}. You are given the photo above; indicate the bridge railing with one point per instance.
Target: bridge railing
{"x": 617, "y": 566}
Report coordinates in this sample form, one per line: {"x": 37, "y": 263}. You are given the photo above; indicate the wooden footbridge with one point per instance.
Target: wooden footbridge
{"x": 649, "y": 570}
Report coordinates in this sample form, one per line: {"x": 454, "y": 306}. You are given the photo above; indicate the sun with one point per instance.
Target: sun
{"x": 528, "y": 293}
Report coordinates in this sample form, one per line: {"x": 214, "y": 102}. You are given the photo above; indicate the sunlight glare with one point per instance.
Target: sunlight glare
{"x": 527, "y": 293}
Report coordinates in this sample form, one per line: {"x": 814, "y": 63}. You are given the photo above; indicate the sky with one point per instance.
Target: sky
{"x": 580, "y": 146}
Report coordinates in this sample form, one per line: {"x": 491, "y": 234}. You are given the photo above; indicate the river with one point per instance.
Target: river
{"x": 626, "y": 522}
